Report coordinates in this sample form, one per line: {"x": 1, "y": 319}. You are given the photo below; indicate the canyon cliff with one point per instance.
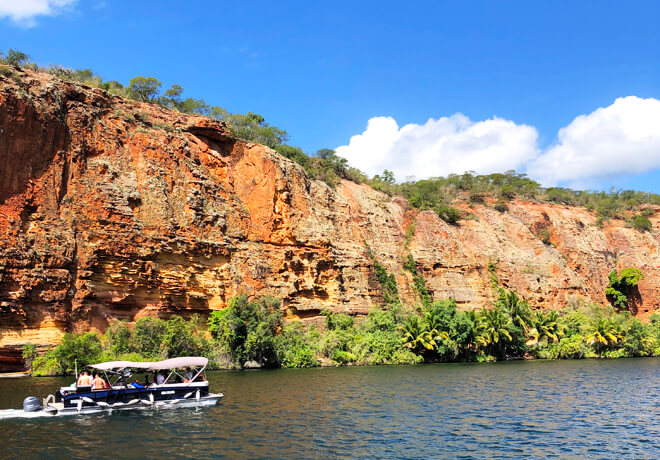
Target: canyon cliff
{"x": 111, "y": 208}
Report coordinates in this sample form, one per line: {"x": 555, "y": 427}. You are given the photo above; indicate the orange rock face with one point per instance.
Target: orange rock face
{"x": 111, "y": 208}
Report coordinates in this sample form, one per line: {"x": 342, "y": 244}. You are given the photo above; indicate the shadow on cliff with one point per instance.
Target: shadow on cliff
{"x": 31, "y": 138}
{"x": 635, "y": 301}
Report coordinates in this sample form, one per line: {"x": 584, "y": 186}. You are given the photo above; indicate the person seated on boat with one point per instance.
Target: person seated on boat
{"x": 84, "y": 380}
{"x": 188, "y": 376}
{"x": 136, "y": 384}
{"x": 98, "y": 383}
{"x": 160, "y": 379}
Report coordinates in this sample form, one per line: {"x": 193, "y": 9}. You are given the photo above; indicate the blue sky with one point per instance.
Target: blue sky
{"x": 498, "y": 79}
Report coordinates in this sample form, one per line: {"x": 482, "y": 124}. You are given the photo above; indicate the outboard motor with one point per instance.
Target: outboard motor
{"x": 32, "y": 404}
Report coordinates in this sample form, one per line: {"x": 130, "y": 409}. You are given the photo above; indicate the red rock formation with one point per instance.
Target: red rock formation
{"x": 110, "y": 208}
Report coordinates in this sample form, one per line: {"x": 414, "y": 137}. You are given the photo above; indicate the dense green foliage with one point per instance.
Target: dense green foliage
{"x": 148, "y": 339}
{"x": 247, "y": 330}
{"x": 640, "y": 222}
{"x": 255, "y": 332}
{"x": 76, "y": 350}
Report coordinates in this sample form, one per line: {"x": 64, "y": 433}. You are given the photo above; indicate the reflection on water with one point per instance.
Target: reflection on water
{"x": 568, "y": 409}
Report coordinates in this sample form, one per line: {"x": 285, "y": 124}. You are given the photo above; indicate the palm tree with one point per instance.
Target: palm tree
{"x": 516, "y": 307}
{"x": 605, "y": 334}
{"x": 433, "y": 323}
{"x": 469, "y": 342}
{"x": 493, "y": 329}
{"x": 416, "y": 336}
{"x": 545, "y": 328}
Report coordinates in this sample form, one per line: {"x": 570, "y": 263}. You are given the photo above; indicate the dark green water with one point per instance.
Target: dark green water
{"x": 566, "y": 409}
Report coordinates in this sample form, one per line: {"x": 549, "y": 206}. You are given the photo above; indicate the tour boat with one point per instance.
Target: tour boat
{"x": 168, "y": 389}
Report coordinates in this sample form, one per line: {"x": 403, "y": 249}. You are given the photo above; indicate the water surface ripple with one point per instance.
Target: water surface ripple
{"x": 538, "y": 409}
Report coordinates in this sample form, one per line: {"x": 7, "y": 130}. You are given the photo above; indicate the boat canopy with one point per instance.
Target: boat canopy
{"x": 186, "y": 361}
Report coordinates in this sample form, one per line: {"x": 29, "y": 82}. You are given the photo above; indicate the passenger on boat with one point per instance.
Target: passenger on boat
{"x": 160, "y": 379}
{"x": 188, "y": 376}
{"x": 98, "y": 383}
{"x": 84, "y": 380}
{"x": 136, "y": 384}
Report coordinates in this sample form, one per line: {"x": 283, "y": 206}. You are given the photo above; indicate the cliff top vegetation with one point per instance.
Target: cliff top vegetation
{"x": 443, "y": 195}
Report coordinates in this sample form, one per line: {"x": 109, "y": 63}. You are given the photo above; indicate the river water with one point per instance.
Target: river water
{"x": 536, "y": 409}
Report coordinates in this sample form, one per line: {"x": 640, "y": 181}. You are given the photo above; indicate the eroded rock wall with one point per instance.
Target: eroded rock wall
{"x": 111, "y": 208}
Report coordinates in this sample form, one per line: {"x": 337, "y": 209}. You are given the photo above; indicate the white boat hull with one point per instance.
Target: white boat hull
{"x": 209, "y": 400}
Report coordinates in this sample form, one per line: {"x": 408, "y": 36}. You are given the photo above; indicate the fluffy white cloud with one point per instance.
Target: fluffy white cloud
{"x": 623, "y": 138}
{"x": 23, "y": 12}
{"x": 439, "y": 147}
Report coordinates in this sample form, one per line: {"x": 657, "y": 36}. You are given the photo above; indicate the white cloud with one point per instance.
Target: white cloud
{"x": 439, "y": 147}
{"x": 23, "y": 12}
{"x": 623, "y": 138}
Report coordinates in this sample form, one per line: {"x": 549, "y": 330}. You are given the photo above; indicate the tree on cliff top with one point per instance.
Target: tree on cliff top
{"x": 253, "y": 127}
{"x": 15, "y": 57}
{"x": 144, "y": 89}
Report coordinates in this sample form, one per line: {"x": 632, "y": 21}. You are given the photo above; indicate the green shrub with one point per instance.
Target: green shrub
{"x": 572, "y": 347}
{"x": 547, "y": 352}
{"x": 293, "y": 349}
{"x": 485, "y": 358}
{"x": 247, "y": 329}
{"x": 148, "y": 336}
{"x": 76, "y": 350}
{"x": 332, "y": 340}
{"x": 501, "y": 206}
{"x": 641, "y": 223}
{"x": 382, "y": 320}
{"x": 343, "y": 357}
{"x": 6, "y": 71}
{"x": 477, "y": 197}
{"x": 613, "y": 354}
{"x": 544, "y": 236}
{"x": 449, "y": 214}
{"x": 185, "y": 338}
{"x": 46, "y": 366}
{"x": 29, "y": 353}
{"x": 338, "y": 321}
{"x": 117, "y": 338}
{"x": 639, "y": 338}
{"x": 378, "y": 347}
